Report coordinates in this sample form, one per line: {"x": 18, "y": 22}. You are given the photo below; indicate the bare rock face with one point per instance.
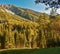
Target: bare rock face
{"x": 5, "y": 6}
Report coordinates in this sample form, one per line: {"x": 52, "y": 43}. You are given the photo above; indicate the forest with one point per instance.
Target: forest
{"x": 17, "y": 32}
{"x": 28, "y": 29}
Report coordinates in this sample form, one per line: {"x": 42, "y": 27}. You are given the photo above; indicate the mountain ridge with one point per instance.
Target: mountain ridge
{"x": 25, "y": 13}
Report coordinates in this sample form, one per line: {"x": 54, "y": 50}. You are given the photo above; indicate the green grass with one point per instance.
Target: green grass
{"x": 33, "y": 51}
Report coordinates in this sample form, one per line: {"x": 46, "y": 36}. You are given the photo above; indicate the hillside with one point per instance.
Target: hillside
{"x": 18, "y": 31}
{"x": 12, "y": 25}
{"x": 8, "y": 16}
{"x": 25, "y": 13}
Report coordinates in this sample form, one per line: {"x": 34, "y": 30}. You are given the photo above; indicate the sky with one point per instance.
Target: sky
{"x": 30, "y": 4}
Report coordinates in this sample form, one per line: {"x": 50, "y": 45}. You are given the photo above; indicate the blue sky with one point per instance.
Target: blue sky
{"x": 25, "y": 4}
{"x": 28, "y": 4}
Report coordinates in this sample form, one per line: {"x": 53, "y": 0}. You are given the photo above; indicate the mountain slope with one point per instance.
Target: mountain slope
{"x": 19, "y": 31}
{"x": 12, "y": 25}
{"x": 25, "y": 13}
{"x": 9, "y": 16}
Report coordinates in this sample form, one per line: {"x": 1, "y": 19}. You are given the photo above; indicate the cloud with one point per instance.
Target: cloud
{"x": 58, "y": 11}
{"x": 48, "y": 11}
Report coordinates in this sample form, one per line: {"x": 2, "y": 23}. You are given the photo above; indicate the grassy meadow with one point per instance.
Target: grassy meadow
{"x": 32, "y": 51}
